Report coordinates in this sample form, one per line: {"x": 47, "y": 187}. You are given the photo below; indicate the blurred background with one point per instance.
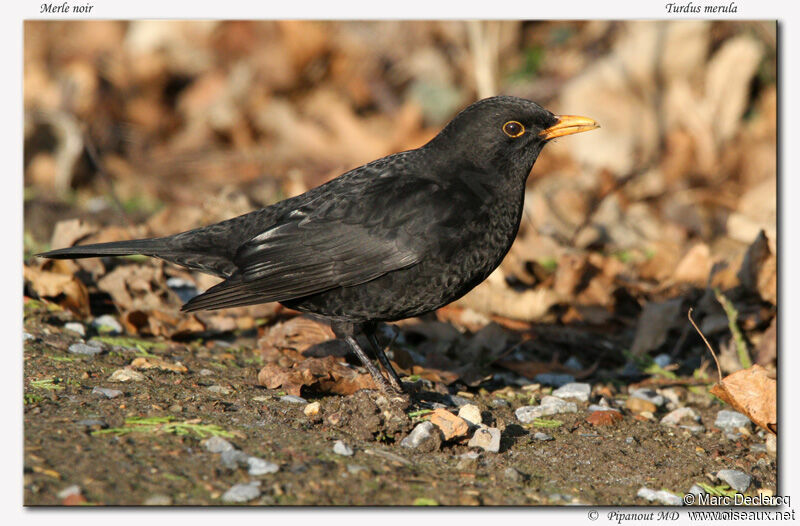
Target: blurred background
{"x": 147, "y": 128}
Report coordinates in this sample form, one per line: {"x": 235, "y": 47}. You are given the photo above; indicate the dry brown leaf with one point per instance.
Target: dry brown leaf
{"x": 72, "y": 293}
{"x": 157, "y": 363}
{"x": 753, "y": 393}
{"x": 695, "y": 266}
{"x": 758, "y": 271}
{"x": 296, "y": 334}
{"x": 325, "y": 374}
{"x": 492, "y": 297}
{"x": 435, "y": 375}
{"x": 654, "y": 324}
{"x": 767, "y": 347}
{"x": 451, "y": 425}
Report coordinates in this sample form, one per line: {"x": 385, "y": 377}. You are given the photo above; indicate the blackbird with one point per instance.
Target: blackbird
{"x": 396, "y": 238}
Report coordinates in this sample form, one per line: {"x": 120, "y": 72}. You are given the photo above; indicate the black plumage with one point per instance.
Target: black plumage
{"x": 395, "y": 238}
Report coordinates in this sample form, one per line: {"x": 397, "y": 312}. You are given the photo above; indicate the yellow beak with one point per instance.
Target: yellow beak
{"x": 567, "y": 125}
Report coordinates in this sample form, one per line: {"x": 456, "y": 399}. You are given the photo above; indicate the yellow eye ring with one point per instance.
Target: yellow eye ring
{"x": 513, "y": 129}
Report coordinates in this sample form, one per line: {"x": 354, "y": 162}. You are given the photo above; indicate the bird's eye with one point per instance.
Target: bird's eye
{"x": 513, "y": 129}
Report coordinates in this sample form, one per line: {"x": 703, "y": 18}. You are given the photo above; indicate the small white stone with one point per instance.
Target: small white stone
{"x": 673, "y": 418}
{"x": 471, "y": 413}
{"x": 243, "y": 492}
{"x": 311, "y": 409}
{"x": 126, "y": 375}
{"x": 259, "y": 466}
{"x": 340, "y": 448}
{"x": 486, "y": 438}
{"x": 577, "y": 390}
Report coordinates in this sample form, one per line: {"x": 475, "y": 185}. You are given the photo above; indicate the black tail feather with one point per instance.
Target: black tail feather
{"x": 148, "y": 247}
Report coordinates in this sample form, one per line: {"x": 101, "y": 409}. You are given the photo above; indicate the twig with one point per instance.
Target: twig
{"x": 713, "y": 354}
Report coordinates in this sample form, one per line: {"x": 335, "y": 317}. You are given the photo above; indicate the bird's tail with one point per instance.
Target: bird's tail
{"x": 148, "y": 247}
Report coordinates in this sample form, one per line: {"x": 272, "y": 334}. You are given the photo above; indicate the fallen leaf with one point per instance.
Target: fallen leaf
{"x": 654, "y": 325}
{"x": 695, "y": 266}
{"x": 767, "y": 347}
{"x": 758, "y": 274}
{"x": 325, "y": 374}
{"x": 66, "y": 289}
{"x": 158, "y": 363}
{"x": 295, "y": 335}
{"x": 753, "y": 393}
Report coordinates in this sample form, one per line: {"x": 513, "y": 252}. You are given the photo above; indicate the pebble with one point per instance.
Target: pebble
{"x": 259, "y": 466}
{"x": 242, "y": 492}
{"x": 218, "y": 389}
{"x": 233, "y": 458}
{"x": 513, "y": 475}
{"x": 450, "y": 425}
{"x": 638, "y": 405}
{"x": 649, "y": 395}
{"x": 486, "y": 438}
{"x": 663, "y": 360}
{"x": 158, "y": 500}
{"x": 736, "y": 479}
{"x": 696, "y": 490}
{"x": 424, "y": 434}
{"x": 728, "y": 420}
{"x": 27, "y": 336}
{"x": 86, "y": 349}
{"x": 107, "y": 324}
{"x": 292, "y": 399}
{"x": 76, "y": 327}
{"x": 577, "y": 390}
{"x": 340, "y": 448}
{"x": 499, "y": 402}
{"x": 630, "y": 440}
{"x": 311, "y": 409}
{"x": 693, "y": 428}
{"x": 68, "y": 491}
{"x": 671, "y": 395}
{"x": 554, "y": 379}
{"x": 573, "y": 363}
{"x": 550, "y": 406}
{"x": 758, "y": 448}
{"x": 772, "y": 444}
{"x": 673, "y": 418}
{"x": 471, "y": 413}
{"x": 544, "y": 437}
{"x": 126, "y": 375}
{"x": 470, "y": 455}
{"x": 108, "y": 393}
{"x": 217, "y": 444}
{"x": 458, "y": 401}
{"x": 662, "y": 496}
{"x": 206, "y": 372}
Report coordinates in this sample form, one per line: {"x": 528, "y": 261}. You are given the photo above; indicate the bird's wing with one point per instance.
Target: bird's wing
{"x": 335, "y": 241}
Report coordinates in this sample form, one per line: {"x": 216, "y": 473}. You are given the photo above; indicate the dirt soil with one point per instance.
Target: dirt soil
{"x": 582, "y": 464}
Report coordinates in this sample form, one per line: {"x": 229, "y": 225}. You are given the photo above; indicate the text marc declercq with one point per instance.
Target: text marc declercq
{"x": 742, "y": 500}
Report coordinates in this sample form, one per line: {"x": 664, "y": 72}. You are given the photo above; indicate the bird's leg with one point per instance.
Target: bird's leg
{"x": 347, "y": 332}
{"x": 394, "y": 379}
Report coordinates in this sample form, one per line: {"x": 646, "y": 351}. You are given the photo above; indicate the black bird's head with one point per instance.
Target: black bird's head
{"x": 505, "y": 134}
